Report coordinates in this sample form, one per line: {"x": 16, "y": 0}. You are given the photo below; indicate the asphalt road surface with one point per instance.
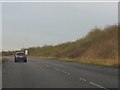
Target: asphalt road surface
{"x": 41, "y": 73}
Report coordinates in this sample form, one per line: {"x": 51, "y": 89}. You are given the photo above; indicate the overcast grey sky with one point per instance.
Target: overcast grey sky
{"x": 59, "y": 0}
{"x": 39, "y": 23}
{"x": 0, "y": 26}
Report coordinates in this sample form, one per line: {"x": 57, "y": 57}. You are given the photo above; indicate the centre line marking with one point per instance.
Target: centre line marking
{"x": 83, "y": 79}
{"x": 62, "y": 71}
{"x": 97, "y": 85}
{"x": 47, "y": 65}
{"x": 68, "y": 73}
{"x": 57, "y": 69}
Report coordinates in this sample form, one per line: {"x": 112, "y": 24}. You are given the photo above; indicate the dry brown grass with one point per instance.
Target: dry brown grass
{"x": 4, "y": 59}
{"x": 101, "y": 62}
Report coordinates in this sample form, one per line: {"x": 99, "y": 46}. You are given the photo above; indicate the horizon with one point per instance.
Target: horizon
{"x": 37, "y": 24}
{"x": 58, "y": 43}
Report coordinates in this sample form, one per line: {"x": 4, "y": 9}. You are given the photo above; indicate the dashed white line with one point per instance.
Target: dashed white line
{"x": 47, "y": 65}
{"x": 59, "y": 70}
{"x": 68, "y": 73}
{"x": 83, "y": 79}
{"x": 62, "y": 71}
{"x": 97, "y": 85}
{"x": 79, "y": 78}
{"x": 55, "y": 68}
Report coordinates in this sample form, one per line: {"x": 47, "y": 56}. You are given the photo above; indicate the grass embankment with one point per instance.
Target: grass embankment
{"x": 0, "y": 59}
{"x": 106, "y": 63}
{"x": 4, "y": 59}
{"x": 98, "y": 47}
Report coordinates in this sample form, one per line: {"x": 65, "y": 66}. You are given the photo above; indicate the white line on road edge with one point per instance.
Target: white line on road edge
{"x": 97, "y": 85}
{"x": 83, "y": 79}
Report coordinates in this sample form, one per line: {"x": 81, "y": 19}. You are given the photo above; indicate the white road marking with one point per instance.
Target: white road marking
{"x": 65, "y": 72}
{"x": 68, "y": 73}
{"x": 62, "y": 71}
{"x": 83, "y": 79}
{"x": 79, "y": 78}
{"x": 57, "y": 69}
{"x": 97, "y": 85}
{"x": 47, "y": 65}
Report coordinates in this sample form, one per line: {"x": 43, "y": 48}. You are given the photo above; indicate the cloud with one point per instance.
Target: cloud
{"x": 35, "y": 24}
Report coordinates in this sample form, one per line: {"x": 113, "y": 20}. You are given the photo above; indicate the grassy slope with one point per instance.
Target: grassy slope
{"x": 98, "y": 47}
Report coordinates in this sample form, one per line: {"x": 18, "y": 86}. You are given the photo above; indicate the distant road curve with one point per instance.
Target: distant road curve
{"x": 42, "y": 73}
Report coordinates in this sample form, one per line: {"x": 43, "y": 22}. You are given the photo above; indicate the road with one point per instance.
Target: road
{"x": 42, "y": 73}
{"x": 0, "y": 72}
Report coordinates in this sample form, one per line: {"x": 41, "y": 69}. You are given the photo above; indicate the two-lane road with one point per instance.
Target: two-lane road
{"x": 41, "y": 73}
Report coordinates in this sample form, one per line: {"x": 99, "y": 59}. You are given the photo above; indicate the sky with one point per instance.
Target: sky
{"x": 59, "y": 0}
{"x": 29, "y": 24}
{"x": 0, "y": 26}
